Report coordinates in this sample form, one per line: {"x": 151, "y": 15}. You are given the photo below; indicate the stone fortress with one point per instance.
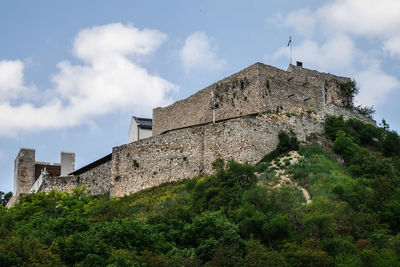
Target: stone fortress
{"x": 238, "y": 117}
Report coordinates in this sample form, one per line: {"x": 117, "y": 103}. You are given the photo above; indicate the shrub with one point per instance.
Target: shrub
{"x": 345, "y": 146}
{"x": 287, "y": 142}
{"x": 391, "y": 144}
{"x": 306, "y": 254}
{"x": 208, "y": 231}
{"x": 333, "y": 125}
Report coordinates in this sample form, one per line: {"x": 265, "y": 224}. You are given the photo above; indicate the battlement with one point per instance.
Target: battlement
{"x": 258, "y": 88}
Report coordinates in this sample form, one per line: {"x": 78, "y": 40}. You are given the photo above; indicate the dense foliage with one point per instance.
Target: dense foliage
{"x": 287, "y": 142}
{"x": 233, "y": 217}
{"x": 5, "y": 197}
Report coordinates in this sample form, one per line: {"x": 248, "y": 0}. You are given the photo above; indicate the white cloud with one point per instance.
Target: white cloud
{"x": 392, "y": 46}
{"x": 198, "y": 52}
{"x": 12, "y": 80}
{"x": 375, "y": 85}
{"x": 115, "y": 40}
{"x": 336, "y": 25}
{"x": 302, "y": 20}
{"x": 366, "y": 18}
{"x": 108, "y": 81}
{"x": 336, "y": 54}
{"x": 363, "y": 17}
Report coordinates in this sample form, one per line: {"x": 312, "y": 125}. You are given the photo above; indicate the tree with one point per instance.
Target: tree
{"x": 365, "y": 111}
{"x": 4, "y": 198}
{"x": 348, "y": 90}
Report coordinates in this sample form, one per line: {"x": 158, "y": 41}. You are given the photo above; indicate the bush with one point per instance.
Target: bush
{"x": 333, "y": 125}
{"x": 224, "y": 188}
{"x": 391, "y": 144}
{"x": 345, "y": 146}
{"x": 287, "y": 142}
{"x": 306, "y": 254}
{"x": 259, "y": 256}
{"x": 208, "y": 231}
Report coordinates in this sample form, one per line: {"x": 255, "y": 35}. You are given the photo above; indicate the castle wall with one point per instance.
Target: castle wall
{"x": 330, "y": 83}
{"x": 250, "y": 108}
{"x": 97, "y": 179}
{"x": 334, "y": 110}
{"x": 258, "y": 88}
{"x": 316, "y": 74}
{"x": 60, "y": 183}
{"x": 188, "y": 152}
{"x": 234, "y": 96}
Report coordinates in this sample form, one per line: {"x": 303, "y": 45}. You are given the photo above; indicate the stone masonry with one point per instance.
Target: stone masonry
{"x": 258, "y": 88}
{"x": 188, "y": 152}
{"x": 250, "y": 108}
{"x": 98, "y": 180}
{"x": 27, "y": 171}
{"x": 24, "y": 173}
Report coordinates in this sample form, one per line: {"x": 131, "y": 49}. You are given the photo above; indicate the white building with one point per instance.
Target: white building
{"x": 140, "y": 128}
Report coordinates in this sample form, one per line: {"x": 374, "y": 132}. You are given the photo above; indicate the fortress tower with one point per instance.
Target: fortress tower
{"x": 24, "y": 172}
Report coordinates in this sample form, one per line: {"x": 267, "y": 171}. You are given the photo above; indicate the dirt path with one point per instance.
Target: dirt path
{"x": 284, "y": 179}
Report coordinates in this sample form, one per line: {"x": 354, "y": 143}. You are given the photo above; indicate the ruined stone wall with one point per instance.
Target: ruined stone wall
{"x": 316, "y": 74}
{"x": 334, "y": 110}
{"x": 185, "y": 142}
{"x": 60, "y": 183}
{"x": 188, "y": 152}
{"x": 258, "y": 88}
{"x": 98, "y": 179}
{"x": 234, "y": 96}
{"x": 329, "y": 82}
{"x": 286, "y": 92}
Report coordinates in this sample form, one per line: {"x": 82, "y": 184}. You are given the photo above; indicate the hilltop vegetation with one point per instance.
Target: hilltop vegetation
{"x": 237, "y": 216}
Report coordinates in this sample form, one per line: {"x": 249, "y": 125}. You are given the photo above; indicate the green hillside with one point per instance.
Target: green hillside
{"x": 241, "y": 215}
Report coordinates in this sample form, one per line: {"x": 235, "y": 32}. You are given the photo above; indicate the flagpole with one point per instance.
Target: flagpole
{"x": 291, "y": 53}
{"x": 213, "y": 105}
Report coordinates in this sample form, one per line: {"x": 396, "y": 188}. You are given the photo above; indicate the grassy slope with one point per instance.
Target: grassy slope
{"x": 171, "y": 210}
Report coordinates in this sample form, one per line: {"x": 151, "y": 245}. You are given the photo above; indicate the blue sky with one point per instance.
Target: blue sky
{"x": 72, "y": 73}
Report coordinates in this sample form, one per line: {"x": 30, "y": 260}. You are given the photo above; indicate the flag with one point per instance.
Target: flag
{"x": 290, "y": 41}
